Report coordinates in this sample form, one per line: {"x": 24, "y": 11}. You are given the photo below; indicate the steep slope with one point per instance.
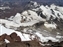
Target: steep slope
{"x": 38, "y": 23}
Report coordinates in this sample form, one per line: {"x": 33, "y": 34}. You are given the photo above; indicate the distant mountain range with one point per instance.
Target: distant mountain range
{"x": 57, "y": 2}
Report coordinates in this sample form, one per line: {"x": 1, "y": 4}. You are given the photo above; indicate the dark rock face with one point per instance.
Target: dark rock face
{"x": 11, "y": 38}
{"x": 15, "y": 37}
{"x": 2, "y": 37}
{"x": 15, "y": 41}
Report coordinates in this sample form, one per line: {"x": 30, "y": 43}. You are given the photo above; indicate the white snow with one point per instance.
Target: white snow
{"x": 8, "y": 24}
{"x": 56, "y": 14}
{"x": 34, "y": 4}
{"x": 29, "y": 18}
{"x": 52, "y": 25}
{"x": 60, "y": 9}
{"x": 58, "y": 36}
{"x": 41, "y": 38}
{"x": 45, "y": 44}
{"x": 17, "y": 18}
{"x": 3, "y": 8}
{"x": 5, "y": 30}
{"x": 45, "y": 39}
{"x": 33, "y": 15}
{"x": 7, "y": 41}
{"x": 25, "y": 37}
{"x": 58, "y": 33}
{"x": 11, "y": 18}
{"x": 46, "y": 10}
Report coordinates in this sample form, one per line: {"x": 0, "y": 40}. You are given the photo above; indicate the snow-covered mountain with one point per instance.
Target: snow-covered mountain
{"x": 36, "y": 23}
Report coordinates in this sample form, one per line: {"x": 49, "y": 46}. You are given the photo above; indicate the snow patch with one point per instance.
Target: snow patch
{"x": 26, "y": 37}
{"x": 7, "y": 41}
{"x": 47, "y": 25}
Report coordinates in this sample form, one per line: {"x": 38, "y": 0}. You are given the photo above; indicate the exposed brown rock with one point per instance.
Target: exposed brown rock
{"x": 13, "y": 35}
{"x": 3, "y": 45}
{"x": 15, "y": 41}
{"x": 16, "y": 44}
{"x": 2, "y": 37}
{"x": 2, "y": 42}
{"x": 9, "y": 38}
{"x": 61, "y": 43}
{"x": 33, "y": 43}
{"x": 17, "y": 38}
